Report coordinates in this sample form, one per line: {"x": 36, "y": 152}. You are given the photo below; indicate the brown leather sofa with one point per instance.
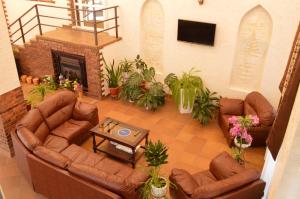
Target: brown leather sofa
{"x": 225, "y": 179}
{"x": 46, "y": 147}
{"x": 254, "y": 104}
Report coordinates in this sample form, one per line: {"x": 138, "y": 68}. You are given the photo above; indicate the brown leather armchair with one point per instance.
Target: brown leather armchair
{"x": 225, "y": 179}
{"x": 254, "y": 104}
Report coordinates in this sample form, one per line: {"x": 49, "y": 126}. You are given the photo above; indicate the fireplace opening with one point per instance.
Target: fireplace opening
{"x": 70, "y": 66}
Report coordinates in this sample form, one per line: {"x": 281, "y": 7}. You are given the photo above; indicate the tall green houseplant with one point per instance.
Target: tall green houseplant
{"x": 185, "y": 89}
{"x": 156, "y": 155}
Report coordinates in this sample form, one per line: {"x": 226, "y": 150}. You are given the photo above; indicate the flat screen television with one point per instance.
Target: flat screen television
{"x": 196, "y": 32}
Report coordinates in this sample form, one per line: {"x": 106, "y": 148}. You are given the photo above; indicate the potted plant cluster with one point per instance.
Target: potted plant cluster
{"x": 239, "y": 131}
{"x": 141, "y": 87}
{"x": 184, "y": 89}
{"x": 205, "y": 106}
{"x": 38, "y": 93}
{"x": 156, "y": 186}
{"x": 113, "y": 77}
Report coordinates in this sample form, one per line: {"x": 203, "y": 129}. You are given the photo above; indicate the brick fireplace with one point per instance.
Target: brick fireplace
{"x": 43, "y": 56}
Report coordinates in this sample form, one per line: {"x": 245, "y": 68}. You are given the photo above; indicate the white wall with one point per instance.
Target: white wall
{"x": 8, "y": 71}
{"x": 215, "y": 62}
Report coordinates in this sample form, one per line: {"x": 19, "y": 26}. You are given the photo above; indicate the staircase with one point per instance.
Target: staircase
{"x": 34, "y": 22}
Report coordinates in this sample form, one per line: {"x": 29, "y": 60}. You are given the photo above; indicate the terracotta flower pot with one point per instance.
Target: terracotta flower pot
{"x": 114, "y": 92}
{"x": 36, "y": 81}
{"x": 29, "y": 80}
{"x": 23, "y": 78}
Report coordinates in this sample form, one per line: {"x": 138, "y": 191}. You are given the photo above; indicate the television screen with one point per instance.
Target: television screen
{"x": 196, "y": 32}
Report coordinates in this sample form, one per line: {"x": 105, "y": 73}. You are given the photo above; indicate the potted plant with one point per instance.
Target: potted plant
{"x": 205, "y": 106}
{"x": 37, "y": 94}
{"x": 146, "y": 74}
{"x": 239, "y": 131}
{"x": 153, "y": 97}
{"x": 113, "y": 76}
{"x": 156, "y": 155}
{"x": 130, "y": 93}
{"x": 127, "y": 68}
{"x": 184, "y": 89}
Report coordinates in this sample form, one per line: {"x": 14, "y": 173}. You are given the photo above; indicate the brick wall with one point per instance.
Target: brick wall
{"x": 36, "y": 60}
{"x": 12, "y": 108}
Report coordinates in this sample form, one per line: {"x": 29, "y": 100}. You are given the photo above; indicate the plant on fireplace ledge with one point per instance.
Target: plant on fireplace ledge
{"x": 156, "y": 186}
{"x": 239, "y": 131}
{"x": 38, "y": 93}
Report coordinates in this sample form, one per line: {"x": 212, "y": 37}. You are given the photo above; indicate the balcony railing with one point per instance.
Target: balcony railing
{"x": 20, "y": 28}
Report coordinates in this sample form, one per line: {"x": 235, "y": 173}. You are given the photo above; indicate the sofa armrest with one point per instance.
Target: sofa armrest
{"x": 86, "y": 112}
{"x": 137, "y": 178}
{"x": 28, "y": 138}
{"x": 231, "y": 106}
{"x": 52, "y": 157}
{"x": 184, "y": 180}
{"x": 258, "y": 129}
{"x": 220, "y": 187}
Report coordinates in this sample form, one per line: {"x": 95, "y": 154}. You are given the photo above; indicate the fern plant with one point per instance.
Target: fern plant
{"x": 189, "y": 84}
{"x": 205, "y": 106}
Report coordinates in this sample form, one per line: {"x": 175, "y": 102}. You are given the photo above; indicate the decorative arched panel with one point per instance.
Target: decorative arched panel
{"x": 252, "y": 46}
{"x": 152, "y": 34}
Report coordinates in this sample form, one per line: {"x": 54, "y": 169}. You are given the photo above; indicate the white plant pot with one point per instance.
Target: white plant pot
{"x": 183, "y": 110}
{"x": 243, "y": 146}
{"x": 159, "y": 192}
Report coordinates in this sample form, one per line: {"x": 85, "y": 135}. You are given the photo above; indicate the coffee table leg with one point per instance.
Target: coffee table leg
{"x": 133, "y": 157}
{"x": 94, "y": 142}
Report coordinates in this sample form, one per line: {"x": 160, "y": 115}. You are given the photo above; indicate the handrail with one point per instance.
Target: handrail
{"x": 39, "y": 24}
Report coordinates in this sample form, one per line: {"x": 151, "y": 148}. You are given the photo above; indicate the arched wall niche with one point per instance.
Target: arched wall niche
{"x": 152, "y": 34}
{"x": 253, "y": 41}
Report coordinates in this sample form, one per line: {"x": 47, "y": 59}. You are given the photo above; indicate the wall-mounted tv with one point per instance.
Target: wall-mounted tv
{"x": 196, "y": 32}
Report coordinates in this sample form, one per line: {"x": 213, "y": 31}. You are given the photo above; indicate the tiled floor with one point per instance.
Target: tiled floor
{"x": 191, "y": 146}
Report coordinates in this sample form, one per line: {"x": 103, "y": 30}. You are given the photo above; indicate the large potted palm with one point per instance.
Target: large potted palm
{"x": 156, "y": 186}
{"x": 113, "y": 77}
{"x": 185, "y": 89}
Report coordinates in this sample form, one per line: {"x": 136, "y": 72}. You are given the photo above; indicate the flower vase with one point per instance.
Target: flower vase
{"x": 239, "y": 145}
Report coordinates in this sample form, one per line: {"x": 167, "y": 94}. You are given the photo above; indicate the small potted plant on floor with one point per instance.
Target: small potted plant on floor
{"x": 205, "y": 106}
{"x": 113, "y": 76}
{"x": 156, "y": 186}
{"x": 239, "y": 131}
{"x": 184, "y": 89}
{"x": 153, "y": 97}
{"x": 127, "y": 68}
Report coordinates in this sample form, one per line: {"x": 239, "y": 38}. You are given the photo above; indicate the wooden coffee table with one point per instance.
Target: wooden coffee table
{"x": 118, "y": 137}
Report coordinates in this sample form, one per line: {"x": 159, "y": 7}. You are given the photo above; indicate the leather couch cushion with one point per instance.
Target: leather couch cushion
{"x": 56, "y": 143}
{"x": 231, "y": 106}
{"x": 204, "y": 177}
{"x": 34, "y": 121}
{"x": 82, "y": 156}
{"x": 224, "y": 166}
{"x": 262, "y": 107}
{"x": 58, "y": 108}
{"x": 111, "y": 182}
{"x": 87, "y": 112}
{"x": 28, "y": 138}
{"x": 220, "y": 187}
{"x": 71, "y": 129}
{"x": 52, "y": 157}
{"x": 248, "y": 110}
{"x": 185, "y": 180}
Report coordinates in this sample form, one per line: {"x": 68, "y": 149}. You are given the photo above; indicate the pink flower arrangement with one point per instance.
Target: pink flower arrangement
{"x": 240, "y": 126}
